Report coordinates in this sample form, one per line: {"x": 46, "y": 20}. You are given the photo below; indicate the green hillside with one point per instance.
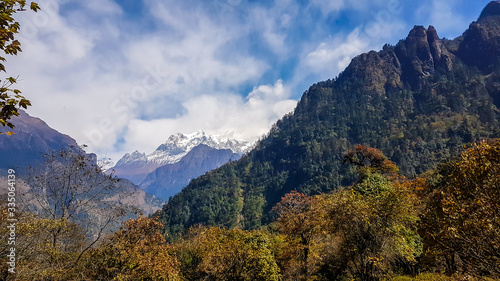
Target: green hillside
{"x": 419, "y": 102}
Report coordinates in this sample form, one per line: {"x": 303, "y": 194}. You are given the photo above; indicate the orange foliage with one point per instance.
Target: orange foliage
{"x": 462, "y": 223}
{"x": 136, "y": 252}
{"x": 368, "y": 157}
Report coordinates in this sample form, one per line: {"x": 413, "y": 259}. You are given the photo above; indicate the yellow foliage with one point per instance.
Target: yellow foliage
{"x": 219, "y": 254}
{"x": 136, "y": 252}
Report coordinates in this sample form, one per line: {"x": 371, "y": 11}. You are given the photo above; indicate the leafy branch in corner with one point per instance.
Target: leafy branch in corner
{"x": 11, "y": 99}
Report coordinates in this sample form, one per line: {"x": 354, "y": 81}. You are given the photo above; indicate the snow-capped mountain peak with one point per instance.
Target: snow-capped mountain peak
{"x": 172, "y": 151}
{"x": 178, "y": 145}
{"x": 134, "y": 157}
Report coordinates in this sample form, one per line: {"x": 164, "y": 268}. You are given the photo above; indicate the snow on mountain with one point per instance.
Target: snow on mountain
{"x": 136, "y": 166}
{"x": 169, "y": 179}
{"x": 135, "y": 157}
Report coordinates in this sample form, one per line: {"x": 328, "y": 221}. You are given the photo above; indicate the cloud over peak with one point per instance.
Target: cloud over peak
{"x": 124, "y": 75}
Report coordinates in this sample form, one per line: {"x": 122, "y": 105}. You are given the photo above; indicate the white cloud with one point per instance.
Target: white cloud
{"x": 272, "y": 24}
{"x": 444, "y": 17}
{"x": 121, "y": 83}
{"x": 328, "y": 6}
{"x": 104, "y": 7}
{"x": 89, "y": 79}
{"x": 332, "y": 56}
{"x": 246, "y": 118}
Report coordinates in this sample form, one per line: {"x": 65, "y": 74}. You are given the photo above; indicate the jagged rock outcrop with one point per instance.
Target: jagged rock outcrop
{"x": 418, "y": 56}
{"x": 480, "y": 45}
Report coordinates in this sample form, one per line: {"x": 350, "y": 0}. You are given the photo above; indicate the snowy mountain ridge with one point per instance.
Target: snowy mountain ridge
{"x": 135, "y": 166}
{"x": 178, "y": 145}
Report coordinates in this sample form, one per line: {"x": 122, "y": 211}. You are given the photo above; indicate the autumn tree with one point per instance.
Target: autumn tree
{"x": 373, "y": 223}
{"x": 136, "y": 252}
{"x": 369, "y": 160}
{"x": 374, "y": 230}
{"x": 36, "y": 257}
{"x": 219, "y": 254}
{"x": 299, "y": 222}
{"x": 462, "y": 222}
{"x": 10, "y": 99}
{"x": 42, "y": 259}
{"x": 5, "y": 232}
{"x": 70, "y": 188}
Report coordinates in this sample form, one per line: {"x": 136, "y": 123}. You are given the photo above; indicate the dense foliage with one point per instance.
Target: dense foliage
{"x": 461, "y": 227}
{"x": 135, "y": 252}
{"x": 220, "y": 254}
{"x": 382, "y": 227}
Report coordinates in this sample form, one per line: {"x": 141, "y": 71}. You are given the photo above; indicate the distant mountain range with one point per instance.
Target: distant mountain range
{"x": 33, "y": 138}
{"x": 174, "y": 163}
{"x": 169, "y": 179}
{"x": 162, "y": 173}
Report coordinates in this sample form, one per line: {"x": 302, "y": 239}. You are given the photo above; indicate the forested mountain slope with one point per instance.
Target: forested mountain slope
{"x": 419, "y": 102}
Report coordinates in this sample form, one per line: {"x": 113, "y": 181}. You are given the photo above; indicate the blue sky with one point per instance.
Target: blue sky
{"x": 123, "y": 75}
